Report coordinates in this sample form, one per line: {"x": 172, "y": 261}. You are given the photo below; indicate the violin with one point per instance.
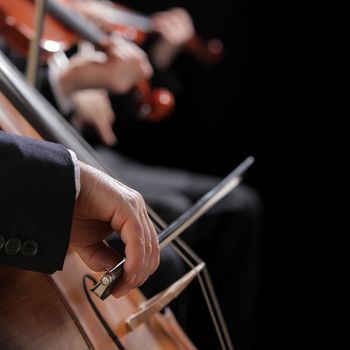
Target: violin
{"x": 16, "y": 28}
{"x": 136, "y": 26}
{"x": 60, "y": 304}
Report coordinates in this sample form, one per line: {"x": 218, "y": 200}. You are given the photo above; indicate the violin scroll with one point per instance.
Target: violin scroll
{"x": 153, "y": 105}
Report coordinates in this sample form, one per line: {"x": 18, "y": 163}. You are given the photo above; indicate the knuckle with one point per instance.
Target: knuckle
{"x": 138, "y": 199}
{"x": 139, "y": 242}
{"x": 140, "y": 238}
{"x": 142, "y": 55}
{"x": 136, "y": 60}
{"x": 132, "y": 197}
{"x": 149, "y": 249}
{"x": 156, "y": 250}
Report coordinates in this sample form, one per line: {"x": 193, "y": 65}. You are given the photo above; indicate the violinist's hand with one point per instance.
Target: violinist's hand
{"x": 105, "y": 205}
{"x": 92, "y": 107}
{"x": 118, "y": 71}
{"x": 174, "y": 25}
{"x": 176, "y": 28}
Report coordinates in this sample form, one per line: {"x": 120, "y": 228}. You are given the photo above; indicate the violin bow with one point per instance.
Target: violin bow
{"x": 34, "y": 49}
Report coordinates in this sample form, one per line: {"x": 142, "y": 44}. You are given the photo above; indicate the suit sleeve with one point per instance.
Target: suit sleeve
{"x": 37, "y": 196}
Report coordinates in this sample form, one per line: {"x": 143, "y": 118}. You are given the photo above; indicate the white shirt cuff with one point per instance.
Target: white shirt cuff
{"x": 76, "y": 173}
{"x": 64, "y": 102}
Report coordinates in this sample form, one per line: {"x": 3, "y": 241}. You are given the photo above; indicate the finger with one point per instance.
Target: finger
{"x": 147, "y": 69}
{"x": 161, "y": 27}
{"x": 99, "y": 257}
{"x": 155, "y": 246}
{"x": 153, "y": 258}
{"x": 118, "y": 52}
{"x": 109, "y": 113}
{"x": 148, "y": 263}
{"x": 105, "y": 130}
{"x": 157, "y": 18}
{"x": 105, "y": 109}
{"x": 181, "y": 26}
{"x": 132, "y": 234}
{"x": 106, "y": 105}
{"x": 169, "y": 31}
{"x": 153, "y": 251}
{"x": 142, "y": 61}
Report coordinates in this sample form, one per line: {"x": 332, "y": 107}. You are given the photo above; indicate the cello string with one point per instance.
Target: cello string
{"x": 105, "y": 324}
{"x": 205, "y": 295}
{"x": 209, "y": 295}
{"x": 206, "y": 286}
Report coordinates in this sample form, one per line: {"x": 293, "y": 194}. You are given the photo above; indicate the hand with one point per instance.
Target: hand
{"x": 92, "y": 107}
{"x": 176, "y": 28}
{"x": 118, "y": 71}
{"x": 105, "y": 205}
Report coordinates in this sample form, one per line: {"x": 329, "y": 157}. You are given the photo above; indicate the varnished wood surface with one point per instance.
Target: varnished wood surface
{"x": 150, "y": 335}
{"x": 16, "y": 25}
{"x": 33, "y": 316}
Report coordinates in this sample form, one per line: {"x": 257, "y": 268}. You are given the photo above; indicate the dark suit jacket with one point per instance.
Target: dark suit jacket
{"x": 37, "y": 196}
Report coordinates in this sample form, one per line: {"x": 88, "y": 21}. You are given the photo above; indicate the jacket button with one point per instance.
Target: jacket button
{"x": 2, "y": 242}
{"x": 30, "y": 248}
{"x": 13, "y": 246}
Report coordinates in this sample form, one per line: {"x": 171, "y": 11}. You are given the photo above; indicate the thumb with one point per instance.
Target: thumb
{"x": 99, "y": 257}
